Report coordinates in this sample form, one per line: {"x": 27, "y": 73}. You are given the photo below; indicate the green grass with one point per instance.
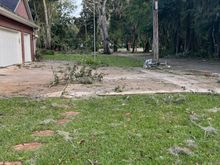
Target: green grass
{"x": 111, "y": 135}
{"x": 101, "y": 60}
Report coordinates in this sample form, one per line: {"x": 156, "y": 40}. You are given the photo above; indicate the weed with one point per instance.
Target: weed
{"x": 38, "y": 55}
{"x": 119, "y": 89}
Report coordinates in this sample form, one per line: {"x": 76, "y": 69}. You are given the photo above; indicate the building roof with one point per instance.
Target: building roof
{"x": 9, "y": 4}
{"x": 8, "y": 8}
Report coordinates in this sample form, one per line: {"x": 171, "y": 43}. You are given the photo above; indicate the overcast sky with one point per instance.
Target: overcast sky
{"x": 79, "y": 7}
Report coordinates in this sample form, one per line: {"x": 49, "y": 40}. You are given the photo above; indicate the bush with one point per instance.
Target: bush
{"x": 47, "y": 52}
{"x": 38, "y": 55}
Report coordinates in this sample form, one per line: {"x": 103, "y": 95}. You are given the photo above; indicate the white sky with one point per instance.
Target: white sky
{"x": 79, "y": 7}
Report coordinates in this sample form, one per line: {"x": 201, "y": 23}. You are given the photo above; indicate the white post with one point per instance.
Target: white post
{"x": 94, "y": 24}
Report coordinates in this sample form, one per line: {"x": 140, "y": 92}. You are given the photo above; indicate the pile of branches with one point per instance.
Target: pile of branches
{"x": 75, "y": 75}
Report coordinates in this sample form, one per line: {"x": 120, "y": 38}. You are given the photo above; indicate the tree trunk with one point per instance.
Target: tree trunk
{"x": 217, "y": 27}
{"x": 189, "y": 28}
{"x": 212, "y": 38}
{"x": 104, "y": 28}
{"x": 47, "y": 27}
{"x": 177, "y": 42}
{"x": 128, "y": 46}
{"x": 134, "y": 39}
{"x": 86, "y": 34}
{"x": 115, "y": 48}
{"x": 146, "y": 47}
{"x": 134, "y": 45}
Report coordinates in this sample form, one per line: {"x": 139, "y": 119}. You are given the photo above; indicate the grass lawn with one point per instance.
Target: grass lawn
{"x": 101, "y": 60}
{"x": 111, "y": 130}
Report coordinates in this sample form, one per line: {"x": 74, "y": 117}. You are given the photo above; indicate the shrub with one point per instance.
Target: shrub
{"x": 47, "y": 52}
{"x": 38, "y": 55}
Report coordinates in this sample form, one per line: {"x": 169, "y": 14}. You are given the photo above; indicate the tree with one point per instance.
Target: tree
{"x": 190, "y": 28}
{"x": 57, "y": 29}
{"x": 47, "y": 26}
{"x": 103, "y": 20}
{"x": 186, "y": 27}
{"x": 131, "y": 23}
{"x": 103, "y": 24}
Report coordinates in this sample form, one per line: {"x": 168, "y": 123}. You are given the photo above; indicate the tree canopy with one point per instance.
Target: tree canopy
{"x": 186, "y": 27}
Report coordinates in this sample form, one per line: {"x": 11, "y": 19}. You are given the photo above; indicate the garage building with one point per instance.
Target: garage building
{"x": 17, "y": 33}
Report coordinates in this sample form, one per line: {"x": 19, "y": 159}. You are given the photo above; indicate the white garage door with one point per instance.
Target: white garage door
{"x": 27, "y": 47}
{"x": 10, "y": 47}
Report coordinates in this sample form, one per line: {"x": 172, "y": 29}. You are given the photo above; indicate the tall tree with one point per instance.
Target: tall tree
{"x": 103, "y": 20}
{"x": 190, "y": 28}
{"x": 57, "y": 27}
{"x": 47, "y": 26}
{"x": 103, "y": 24}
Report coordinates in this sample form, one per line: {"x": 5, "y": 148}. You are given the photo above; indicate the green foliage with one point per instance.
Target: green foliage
{"x": 131, "y": 23}
{"x": 47, "y": 52}
{"x": 63, "y": 29}
{"x": 61, "y": 22}
{"x": 190, "y": 27}
{"x": 38, "y": 55}
{"x": 186, "y": 27}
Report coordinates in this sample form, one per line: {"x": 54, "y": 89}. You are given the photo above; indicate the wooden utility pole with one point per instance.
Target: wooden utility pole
{"x": 155, "y": 32}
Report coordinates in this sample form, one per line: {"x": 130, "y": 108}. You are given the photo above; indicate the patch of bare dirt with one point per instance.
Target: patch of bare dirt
{"x": 34, "y": 80}
{"x": 45, "y": 133}
{"x": 63, "y": 121}
{"x": 31, "y": 80}
{"x": 70, "y": 114}
{"x": 27, "y": 146}
{"x": 11, "y": 163}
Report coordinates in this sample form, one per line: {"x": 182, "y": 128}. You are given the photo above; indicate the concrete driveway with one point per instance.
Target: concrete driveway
{"x": 34, "y": 80}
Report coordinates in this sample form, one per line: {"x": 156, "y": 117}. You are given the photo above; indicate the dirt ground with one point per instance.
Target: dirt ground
{"x": 183, "y": 76}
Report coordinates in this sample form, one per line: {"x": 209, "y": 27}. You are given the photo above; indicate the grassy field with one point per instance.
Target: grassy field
{"x": 112, "y": 130}
{"x": 101, "y": 60}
